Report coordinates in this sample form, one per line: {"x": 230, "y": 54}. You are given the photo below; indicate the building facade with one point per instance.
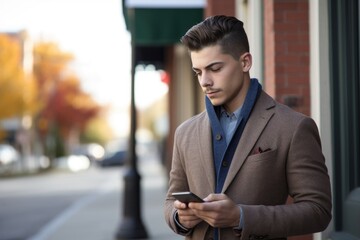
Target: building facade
{"x": 306, "y": 55}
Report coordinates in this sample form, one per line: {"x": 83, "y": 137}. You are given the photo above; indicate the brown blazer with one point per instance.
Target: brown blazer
{"x": 291, "y": 164}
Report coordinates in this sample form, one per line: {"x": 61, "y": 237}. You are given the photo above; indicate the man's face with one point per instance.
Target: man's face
{"x": 221, "y": 77}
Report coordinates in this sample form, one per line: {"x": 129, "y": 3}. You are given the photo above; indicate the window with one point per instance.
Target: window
{"x": 345, "y": 91}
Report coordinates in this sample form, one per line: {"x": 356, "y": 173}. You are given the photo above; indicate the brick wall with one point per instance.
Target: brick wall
{"x": 286, "y": 45}
{"x": 286, "y": 56}
{"x": 223, "y": 7}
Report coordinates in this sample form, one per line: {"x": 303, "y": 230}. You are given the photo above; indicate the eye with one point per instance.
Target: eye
{"x": 215, "y": 69}
{"x": 197, "y": 73}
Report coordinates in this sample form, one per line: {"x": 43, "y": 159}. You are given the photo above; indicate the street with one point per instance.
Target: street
{"x": 29, "y": 203}
{"x": 88, "y": 204}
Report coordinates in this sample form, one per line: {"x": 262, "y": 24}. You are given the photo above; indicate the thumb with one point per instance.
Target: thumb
{"x": 214, "y": 197}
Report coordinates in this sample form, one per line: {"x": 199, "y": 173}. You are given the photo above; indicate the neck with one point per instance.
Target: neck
{"x": 239, "y": 101}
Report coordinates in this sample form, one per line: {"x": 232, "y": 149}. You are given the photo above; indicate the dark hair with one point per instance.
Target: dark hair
{"x": 226, "y": 31}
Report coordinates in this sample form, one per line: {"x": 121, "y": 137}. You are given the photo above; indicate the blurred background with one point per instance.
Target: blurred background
{"x": 65, "y": 93}
{"x": 66, "y": 71}
{"x": 65, "y": 81}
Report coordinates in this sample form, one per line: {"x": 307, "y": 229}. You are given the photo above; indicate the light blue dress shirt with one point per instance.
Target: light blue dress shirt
{"x": 229, "y": 122}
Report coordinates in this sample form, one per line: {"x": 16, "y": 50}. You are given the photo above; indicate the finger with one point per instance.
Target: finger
{"x": 206, "y": 206}
{"x": 180, "y": 205}
{"x": 185, "y": 212}
{"x": 187, "y": 217}
{"x": 190, "y": 223}
{"x": 197, "y": 206}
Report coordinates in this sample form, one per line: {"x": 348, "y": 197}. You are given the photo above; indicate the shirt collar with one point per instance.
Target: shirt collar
{"x": 236, "y": 113}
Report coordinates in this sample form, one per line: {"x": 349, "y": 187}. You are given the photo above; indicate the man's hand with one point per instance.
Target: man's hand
{"x": 187, "y": 218}
{"x": 218, "y": 211}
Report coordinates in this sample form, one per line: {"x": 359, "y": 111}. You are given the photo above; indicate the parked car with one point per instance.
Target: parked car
{"x": 117, "y": 158}
{"x": 115, "y": 154}
{"x": 93, "y": 151}
{"x": 9, "y": 157}
{"x": 74, "y": 163}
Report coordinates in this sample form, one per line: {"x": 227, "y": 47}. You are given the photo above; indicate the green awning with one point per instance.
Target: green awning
{"x": 161, "y": 26}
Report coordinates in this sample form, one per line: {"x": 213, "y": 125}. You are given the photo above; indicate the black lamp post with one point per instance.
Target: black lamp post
{"x": 131, "y": 225}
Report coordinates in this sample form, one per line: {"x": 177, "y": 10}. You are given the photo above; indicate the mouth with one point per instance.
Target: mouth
{"x": 211, "y": 93}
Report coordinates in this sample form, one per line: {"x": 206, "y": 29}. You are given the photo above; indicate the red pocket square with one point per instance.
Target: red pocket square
{"x": 259, "y": 150}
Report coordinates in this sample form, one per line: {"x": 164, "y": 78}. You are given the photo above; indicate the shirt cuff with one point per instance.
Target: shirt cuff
{"x": 241, "y": 223}
{"x": 239, "y": 228}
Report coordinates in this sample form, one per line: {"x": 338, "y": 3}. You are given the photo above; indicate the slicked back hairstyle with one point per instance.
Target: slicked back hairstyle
{"x": 226, "y": 31}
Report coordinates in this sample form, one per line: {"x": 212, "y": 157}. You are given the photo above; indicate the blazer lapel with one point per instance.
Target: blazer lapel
{"x": 206, "y": 154}
{"x": 261, "y": 114}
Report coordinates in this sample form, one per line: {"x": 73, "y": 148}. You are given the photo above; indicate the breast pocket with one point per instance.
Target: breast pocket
{"x": 268, "y": 155}
{"x": 265, "y": 174}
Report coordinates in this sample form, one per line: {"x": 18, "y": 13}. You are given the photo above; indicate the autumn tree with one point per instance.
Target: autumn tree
{"x": 17, "y": 88}
{"x": 66, "y": 107}
{"x": 69, "y": 106}
{"x": 50, "y": 65}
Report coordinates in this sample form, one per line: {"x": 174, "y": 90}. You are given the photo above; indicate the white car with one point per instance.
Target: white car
{"x": 9, "y": 157}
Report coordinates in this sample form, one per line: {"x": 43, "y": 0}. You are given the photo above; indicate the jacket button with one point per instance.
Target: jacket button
{"x": 225, "y": 163}
{"x": 218, "y": 137}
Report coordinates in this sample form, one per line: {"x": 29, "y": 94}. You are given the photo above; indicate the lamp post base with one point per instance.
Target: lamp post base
{"x": 131, "y": 229}
{"x": 131, "y": 226}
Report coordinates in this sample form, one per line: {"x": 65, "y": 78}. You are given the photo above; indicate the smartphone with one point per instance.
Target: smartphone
{"x": 187, "y": 197}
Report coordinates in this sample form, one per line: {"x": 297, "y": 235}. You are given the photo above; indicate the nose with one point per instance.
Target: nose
{"x": 204, "y": 80}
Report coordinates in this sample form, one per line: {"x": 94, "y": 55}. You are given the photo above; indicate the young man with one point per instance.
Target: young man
{"x": 246, "y": 153}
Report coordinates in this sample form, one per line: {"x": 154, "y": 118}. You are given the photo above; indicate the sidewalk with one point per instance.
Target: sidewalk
{"x": 97, "y": 217}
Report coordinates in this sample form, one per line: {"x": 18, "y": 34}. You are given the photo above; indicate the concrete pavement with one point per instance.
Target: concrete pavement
{"x": 97, "y": 216}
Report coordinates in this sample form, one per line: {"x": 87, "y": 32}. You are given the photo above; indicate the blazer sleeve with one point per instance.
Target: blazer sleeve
{"x": 177, "y": 183}
{"x": 309, "y": 186}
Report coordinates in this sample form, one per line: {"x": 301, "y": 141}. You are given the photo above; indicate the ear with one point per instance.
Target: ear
{"x": 246, "y": 61}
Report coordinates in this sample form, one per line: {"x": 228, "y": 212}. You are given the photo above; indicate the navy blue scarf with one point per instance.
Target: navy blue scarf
{"x": 222, "y": 152}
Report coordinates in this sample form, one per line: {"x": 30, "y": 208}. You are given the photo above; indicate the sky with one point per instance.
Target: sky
{"x": 94, "y": 32}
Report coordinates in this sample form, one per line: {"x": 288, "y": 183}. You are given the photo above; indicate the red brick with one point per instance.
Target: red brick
{"x": 286, "y": 57}
{"x": 285, "y": 5}
{"x": 285, "y": 27}
{"x": 295, "y": 36}
{"x": 215, "y": 7}
{"x": 300, "y": 47}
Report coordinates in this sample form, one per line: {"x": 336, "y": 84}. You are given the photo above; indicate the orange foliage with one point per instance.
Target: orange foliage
{"x": 17, "y": 89}
{"x": 49, "y": 66}
{"x": 50, "y": 91}
{"x": 69, "y": 106}
{"x": 64, "y": 101}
